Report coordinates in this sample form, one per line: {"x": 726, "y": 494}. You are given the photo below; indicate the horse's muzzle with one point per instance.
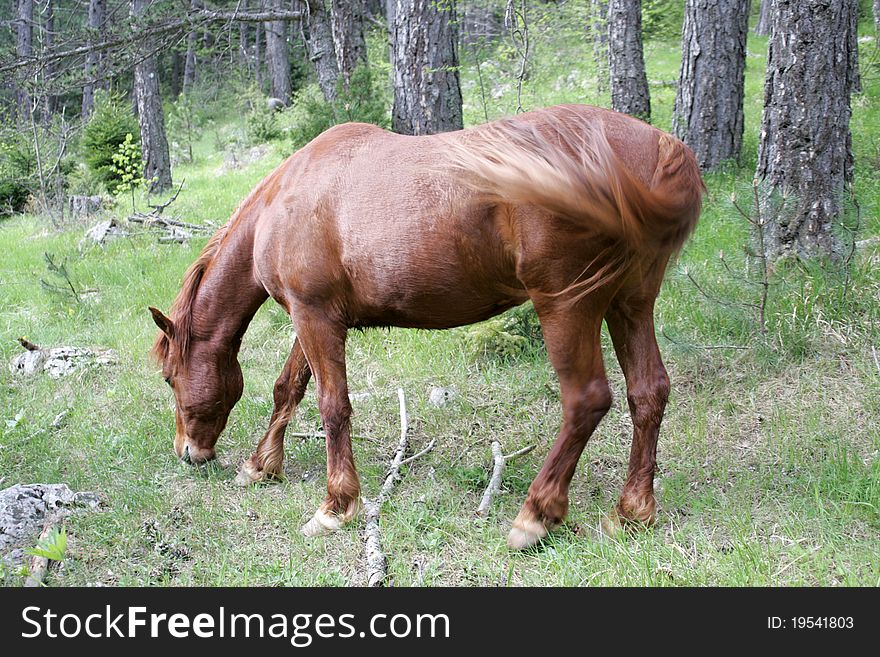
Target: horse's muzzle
{"x": 196, "y": 455}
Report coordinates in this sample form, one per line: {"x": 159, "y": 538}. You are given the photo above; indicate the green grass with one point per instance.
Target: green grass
{"x": 768, "y": 461}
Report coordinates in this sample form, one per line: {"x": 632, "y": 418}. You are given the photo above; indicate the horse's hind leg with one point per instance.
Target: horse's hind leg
{"x": 288, "y": 393}
{"x": 572, "y": 338}
{"x": 323, "y": 341}
{"x": 631, "y": 324}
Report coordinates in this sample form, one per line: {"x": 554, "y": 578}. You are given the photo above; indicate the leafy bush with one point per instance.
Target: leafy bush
{"x": 111, "y": 121}
{"x": 510, "y": 335}
{"x": 18, "y": 165}
{"x": 310, "y": 114}
{"x": 662, "y": 19}
{"x": 185, "y": 122}
{"x": 129, "y": 167}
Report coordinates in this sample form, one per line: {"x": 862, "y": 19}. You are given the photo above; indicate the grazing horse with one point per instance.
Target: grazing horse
{"x": 574, "y": 207}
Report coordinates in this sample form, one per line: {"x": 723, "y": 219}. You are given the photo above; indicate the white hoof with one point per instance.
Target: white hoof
{"x": 320, "y": 524}
{"x": 525, "y": 533}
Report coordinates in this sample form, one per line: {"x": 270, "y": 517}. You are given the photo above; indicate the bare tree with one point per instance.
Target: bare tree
{"x": 805, "y": 152}
{"x": 427, "y": 91}
{"x": 24, "y": 47}
{"x": 189, "y": 66}
{"x": 154, "y": 144}
{"x": 347, "y": 20}
{"x": 629, "y": 83}
{"x": 762, "y": 27}
{"x": 97, "y": 16}
{"x": 877, "y": 22}
{"x": 321, "y": 49}
{"x": 598, "y": 30}
{"x": 277, "y": 57}
{"x": 708, "y": 114}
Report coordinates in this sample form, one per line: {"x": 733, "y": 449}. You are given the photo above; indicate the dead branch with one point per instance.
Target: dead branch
{"x": 161, "y": 206}
{"x": 377, "y": 567}
{"x": 39, "y": 566}
{"x": 495, "y": 482}
{"x": 27, "y": 344}
{"x": 194, "y": 19}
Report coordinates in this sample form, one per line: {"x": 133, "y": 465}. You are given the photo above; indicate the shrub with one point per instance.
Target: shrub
{"x": 108, "y": 127}
{"x": 311, "y": 114}
{"x": 510, "y": 335}
{"x": 18, "y": 165}
{"x": 662, "y": 19}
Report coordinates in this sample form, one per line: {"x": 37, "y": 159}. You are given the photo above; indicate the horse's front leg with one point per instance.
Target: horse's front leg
{"x": 572, "y": 339}
{"x": 266, "y": 461}
{"x": 323, "y": 341}
{"x": 647, "y": 389}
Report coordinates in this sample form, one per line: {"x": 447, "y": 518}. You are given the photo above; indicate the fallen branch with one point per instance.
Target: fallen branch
{"x": 377, "y": 567}
{"x": 39, "y": 566}
{"x": 495, "y": 482}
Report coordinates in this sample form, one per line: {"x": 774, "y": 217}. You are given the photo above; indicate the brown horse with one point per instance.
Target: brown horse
{"x": 577, "y": 208}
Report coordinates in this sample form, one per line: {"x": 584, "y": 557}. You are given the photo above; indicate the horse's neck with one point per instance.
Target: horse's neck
{"x": 230, "y": 293}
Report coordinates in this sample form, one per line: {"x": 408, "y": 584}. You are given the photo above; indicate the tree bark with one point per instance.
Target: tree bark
{"x": 708, "y": 113}
{"x": 24, "y": 47}
{"x": 805, "y": 155}
{"x": 154, "y": 145}
{"x": 599, "y": 38}
{"x": 762, "y": 28}
{"x": 52, "y": 67}
{"x": 277, "y": 57}
{"x": 427, "y": 91}
{"x": 321, "y": 49}
{"x": 347, "y": 21}
{"x": 189, "y": 66}
{"x": 629, "y": 84}
{"x": 877, "y": 22}
{"x": 97, "y": 14}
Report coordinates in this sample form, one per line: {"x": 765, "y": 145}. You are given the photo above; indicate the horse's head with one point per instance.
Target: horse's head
{"x": 206, "y": 380}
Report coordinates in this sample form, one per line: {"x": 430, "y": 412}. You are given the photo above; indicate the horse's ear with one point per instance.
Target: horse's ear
{"x": 165, "y": 324}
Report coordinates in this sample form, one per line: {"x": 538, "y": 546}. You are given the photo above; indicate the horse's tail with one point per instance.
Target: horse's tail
{"x": 571, "y": 170}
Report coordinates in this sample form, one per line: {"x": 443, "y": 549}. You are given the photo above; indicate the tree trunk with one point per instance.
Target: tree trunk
{"x": 97, "y": 13}
{"x": 320, "y": 46}
{"x": 762, "y": 28}
{"x": 177, "y": 65}
{"x": 877, "y": 23}
{"x": 24, "y": 47}
{"x": 277, "y": 57}
{"x": 708, "y": 114}
{"x": 52, "y": 67}
{"x": 598, "y": 30}
{"x": 629, "y": 84}
{"x": 347, "y": 21}
{"x": 805, "y": 155}
{"x": 189, "y": 66}
{"x": 427, "y": 91}
{"x": 154, "y": 145}
{"x": 258, "y": 55}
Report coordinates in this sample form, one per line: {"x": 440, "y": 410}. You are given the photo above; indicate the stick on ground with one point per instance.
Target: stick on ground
{"x": 39, "y": 566}
{"x": 377, "y": 567}
{"x": 495, "y": 482}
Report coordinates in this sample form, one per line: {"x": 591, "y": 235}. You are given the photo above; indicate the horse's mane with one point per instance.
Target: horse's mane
{"x": 182, "y": 309}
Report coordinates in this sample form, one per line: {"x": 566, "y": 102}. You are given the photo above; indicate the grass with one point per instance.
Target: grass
{"x": 768, "y": 461}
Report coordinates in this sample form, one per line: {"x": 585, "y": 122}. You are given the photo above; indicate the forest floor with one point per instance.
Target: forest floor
{"x": 769, "y": 457}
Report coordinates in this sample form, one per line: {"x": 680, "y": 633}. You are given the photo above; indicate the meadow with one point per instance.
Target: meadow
{"x": 769, "y": 457}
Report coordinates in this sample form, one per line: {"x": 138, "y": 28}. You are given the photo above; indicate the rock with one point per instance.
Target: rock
{"x": 105, "y": 231}
{"x": 441, "y": 396}
{"x": 25, "y": 507}
{"x": 235, "y": 160}
{"x": 60, "y": 361}
{"x": 275, "y": 104}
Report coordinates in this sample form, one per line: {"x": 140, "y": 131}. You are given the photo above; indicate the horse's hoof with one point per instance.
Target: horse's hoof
{"x": 320, "y": 524}
{"x": 526, "y": 532}
{"x": 610, "y": 525}
{"x": 248, "y": 475}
